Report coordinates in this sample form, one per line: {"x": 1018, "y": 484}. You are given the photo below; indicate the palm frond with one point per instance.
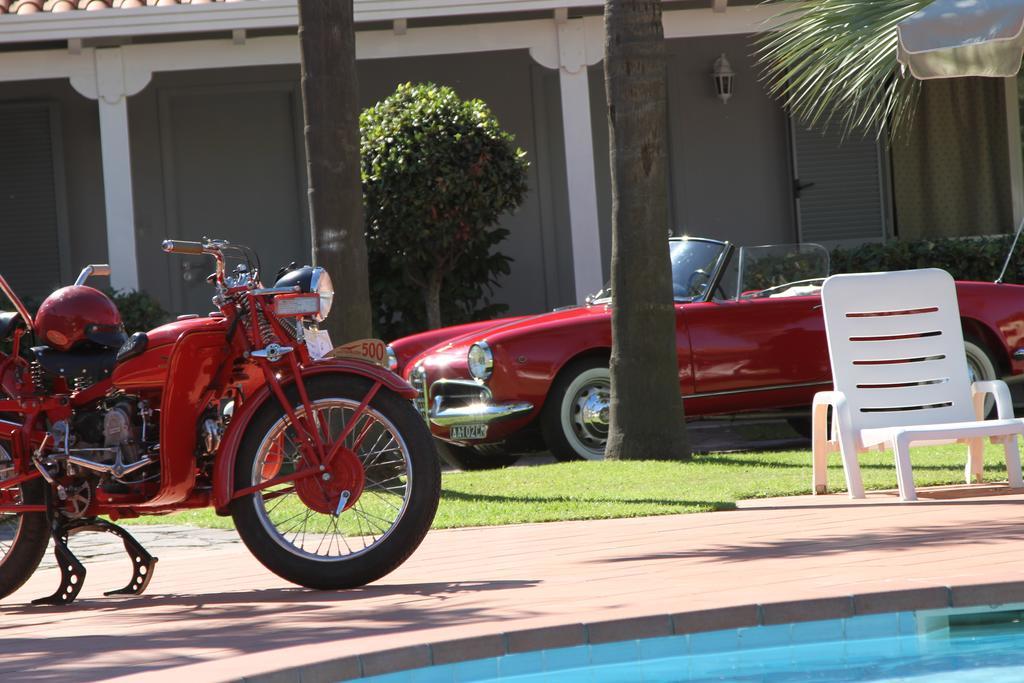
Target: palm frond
{"x": 835, "y": 61}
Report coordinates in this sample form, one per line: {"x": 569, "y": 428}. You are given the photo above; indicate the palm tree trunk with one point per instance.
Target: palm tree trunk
{"x": 646, "y": 406}
{"x": 331, "y": 115}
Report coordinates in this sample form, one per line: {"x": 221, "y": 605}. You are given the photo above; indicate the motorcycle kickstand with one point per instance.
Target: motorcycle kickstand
{"x": 142, "y": 562}
{"x": 73, "y": 572}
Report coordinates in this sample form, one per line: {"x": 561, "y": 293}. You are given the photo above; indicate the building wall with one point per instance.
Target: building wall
{"x": 524, "y": 98}
{"x": 80, "y": 165}
{"x": 729, "y": 169}
{"x": 217, "y": 153}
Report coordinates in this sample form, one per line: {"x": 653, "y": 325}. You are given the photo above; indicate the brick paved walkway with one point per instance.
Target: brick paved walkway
{"x": 213, "y": 613}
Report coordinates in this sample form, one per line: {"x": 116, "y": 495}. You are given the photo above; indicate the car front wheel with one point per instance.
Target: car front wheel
{"x": 575, "y": 416}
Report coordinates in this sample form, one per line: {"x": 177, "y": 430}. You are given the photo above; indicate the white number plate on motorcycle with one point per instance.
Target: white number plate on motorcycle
{"x": 467, "y": 432}
{"x": 318, "y": 343}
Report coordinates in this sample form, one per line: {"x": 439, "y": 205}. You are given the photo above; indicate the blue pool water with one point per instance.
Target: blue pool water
{"x": 922, "y": 647}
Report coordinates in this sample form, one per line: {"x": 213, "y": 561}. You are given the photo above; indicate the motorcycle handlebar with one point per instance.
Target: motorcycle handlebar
{"x": 183, "y": 247}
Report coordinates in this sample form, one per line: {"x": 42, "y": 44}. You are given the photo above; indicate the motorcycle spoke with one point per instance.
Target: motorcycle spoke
{"x": 384, "y": 500}
{"x": 272, "y": 495}
{"x": 369, "y": 517}
{"x": 9, "y": 523}
{"x": 381, "y": 502}
{"x": 340, "y": 536}
{"x": 388, "y": 448}
{"x": 380, "y": 483}
{"x": 305, "y": 521}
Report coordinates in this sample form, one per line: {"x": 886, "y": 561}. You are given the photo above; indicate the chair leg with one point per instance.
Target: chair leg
{"x": 819, "y": 449}
{"x": 1013, "y": 462}
{"x": 975, "y": 470}
{"x": 851, "y": 468}
{"x": 904, "y": 475}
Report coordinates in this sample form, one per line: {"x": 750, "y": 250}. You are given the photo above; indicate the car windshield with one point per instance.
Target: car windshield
{"x": 776, "y": 270}
{"x": 693, "y": 265}
{"x": 779, "y": 270}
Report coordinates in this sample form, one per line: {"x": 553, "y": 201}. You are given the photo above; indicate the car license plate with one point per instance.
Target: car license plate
{"x": 465, "y": 432}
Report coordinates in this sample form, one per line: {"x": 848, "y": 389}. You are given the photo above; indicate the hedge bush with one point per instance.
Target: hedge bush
{"x": 438, "y": 172}
{"x": 140, "y": 312}
{"x": 965, "y": 258}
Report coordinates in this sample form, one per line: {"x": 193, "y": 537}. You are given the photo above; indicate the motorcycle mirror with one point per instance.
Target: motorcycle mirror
{"x": 97, "y": 269}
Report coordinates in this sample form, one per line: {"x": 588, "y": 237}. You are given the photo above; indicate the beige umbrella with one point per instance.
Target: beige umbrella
{"x": 951, "y": 38}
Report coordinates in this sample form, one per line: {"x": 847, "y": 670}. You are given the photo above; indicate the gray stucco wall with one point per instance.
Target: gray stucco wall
{"x": 731, "y": 176}
{"x": 254, "y": 197}
{"x": 524, "y": 98}
{"x": 82, "y": 169}
{"x": 729, "y": 163}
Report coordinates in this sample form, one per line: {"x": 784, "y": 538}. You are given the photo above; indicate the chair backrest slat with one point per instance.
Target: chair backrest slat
{"x": 896, "y": 347}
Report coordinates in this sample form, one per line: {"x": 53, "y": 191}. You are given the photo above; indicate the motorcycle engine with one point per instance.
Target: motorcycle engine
{"x": 114, "y": 442}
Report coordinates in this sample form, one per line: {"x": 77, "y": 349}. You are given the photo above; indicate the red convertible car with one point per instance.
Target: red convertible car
{"x": 750, "y": 339}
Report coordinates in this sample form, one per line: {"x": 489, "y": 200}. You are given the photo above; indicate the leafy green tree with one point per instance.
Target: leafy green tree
{"x": 438, "y": 172}
{"x": 836, "y": 60}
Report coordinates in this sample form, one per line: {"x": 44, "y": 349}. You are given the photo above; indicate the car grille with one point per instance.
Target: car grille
{"x": 418, "y": 380}
{"x": 459, "y": 393}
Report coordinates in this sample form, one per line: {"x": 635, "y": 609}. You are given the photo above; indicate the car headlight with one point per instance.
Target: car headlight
{"x": 481, "y": 360}
{"x": 322, "y": 285}
{"x": 392, "y": 359}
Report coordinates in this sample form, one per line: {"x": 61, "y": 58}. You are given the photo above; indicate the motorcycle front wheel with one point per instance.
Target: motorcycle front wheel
{"x": 368, "y": 510}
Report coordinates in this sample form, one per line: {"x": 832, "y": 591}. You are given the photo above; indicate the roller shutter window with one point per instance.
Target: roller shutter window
{"x": 838, "y": 186}
{"x": 29, "y": 243}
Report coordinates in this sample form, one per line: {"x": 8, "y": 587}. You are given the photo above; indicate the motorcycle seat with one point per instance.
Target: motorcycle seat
{"x": 8, "y": 321}
{"x": 92, "y": 364}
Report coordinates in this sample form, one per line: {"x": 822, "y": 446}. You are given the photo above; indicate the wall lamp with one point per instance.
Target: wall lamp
{"x": 723, "y": 75}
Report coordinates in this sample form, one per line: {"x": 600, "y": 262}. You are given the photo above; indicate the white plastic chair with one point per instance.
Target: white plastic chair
{"x": 900, "y": 376}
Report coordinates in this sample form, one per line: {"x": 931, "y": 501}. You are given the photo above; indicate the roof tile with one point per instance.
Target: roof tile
{"x": 34, "y": 6}
{"x": 26, "y": 6}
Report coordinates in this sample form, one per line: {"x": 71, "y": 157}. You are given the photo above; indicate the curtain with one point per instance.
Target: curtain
{"x": 951, "y": 172}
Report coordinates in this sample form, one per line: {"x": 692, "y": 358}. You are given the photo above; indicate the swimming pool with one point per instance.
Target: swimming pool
{"x": 933, "y": 647}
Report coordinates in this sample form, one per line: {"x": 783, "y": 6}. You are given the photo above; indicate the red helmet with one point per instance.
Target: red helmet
{"x": 76, "y": 314}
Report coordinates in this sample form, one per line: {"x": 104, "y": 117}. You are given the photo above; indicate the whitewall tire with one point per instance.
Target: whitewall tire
{"x": 575, "y": 416}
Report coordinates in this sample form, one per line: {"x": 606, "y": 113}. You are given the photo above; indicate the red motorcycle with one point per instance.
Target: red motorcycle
{"x": 324, "y": 464}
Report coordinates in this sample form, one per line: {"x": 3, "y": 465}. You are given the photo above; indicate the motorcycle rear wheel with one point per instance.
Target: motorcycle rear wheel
{"x": 23, "y": 538}
{"x": 393, "y": 506}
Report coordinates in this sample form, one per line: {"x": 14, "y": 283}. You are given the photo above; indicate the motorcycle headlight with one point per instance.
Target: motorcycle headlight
{"x": 322, "y": 285}
{"x": 308, "y": 280}
{"x": 481, "y": 360}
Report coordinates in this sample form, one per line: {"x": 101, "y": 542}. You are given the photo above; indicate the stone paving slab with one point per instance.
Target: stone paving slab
{"x": 213, "y": 613}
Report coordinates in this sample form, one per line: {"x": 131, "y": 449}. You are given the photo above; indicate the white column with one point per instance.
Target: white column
{"x": 102, "y": 74}
{"x": 579, "y": 155}
{"x": 117, "y": 193}
{"x": 579, "y": 169}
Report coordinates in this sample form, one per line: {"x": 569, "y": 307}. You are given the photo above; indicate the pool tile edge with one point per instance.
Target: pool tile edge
{"x": 680, "y": 623}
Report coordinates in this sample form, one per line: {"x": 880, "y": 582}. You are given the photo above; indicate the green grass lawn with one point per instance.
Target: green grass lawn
{"x": 603, "y": 490}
